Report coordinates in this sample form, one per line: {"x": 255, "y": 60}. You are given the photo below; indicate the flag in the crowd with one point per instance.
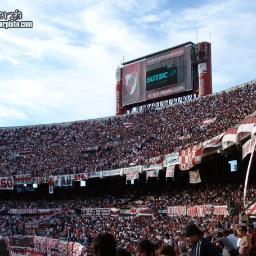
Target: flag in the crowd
{"x": 190, "y": 156}
{"x": 170, "y": 171}
{"x": 128, "y": 124}
{"x": 209, "y": 121}
{"x": 194, "y": 177}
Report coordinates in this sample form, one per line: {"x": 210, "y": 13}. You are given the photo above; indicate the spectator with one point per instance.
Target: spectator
{"x": 221, "y": 248}
{"x": 166, "y": 250}
{"x": 145, "y": 248}
{"x": 233, "y": 237}
{"x": 122, "y": 252}
{"x": 199, "y": 245}
{"x": 104, "y": 244}
{"x": 245, "y": 242}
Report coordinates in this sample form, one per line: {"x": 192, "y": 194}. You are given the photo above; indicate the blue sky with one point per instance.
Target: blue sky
{"x": 64, "y": 68}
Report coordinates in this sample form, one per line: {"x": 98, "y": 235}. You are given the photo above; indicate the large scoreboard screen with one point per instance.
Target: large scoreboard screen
{"x": 161, "y": 77}
{"x": 157, "y": 76}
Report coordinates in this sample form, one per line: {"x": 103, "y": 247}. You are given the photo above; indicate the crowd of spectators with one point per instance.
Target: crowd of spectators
{"x": 73, "y": 224}
{"x": 105, "y": 144}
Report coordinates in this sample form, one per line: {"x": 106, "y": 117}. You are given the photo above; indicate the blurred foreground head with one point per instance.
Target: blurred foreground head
{"x": 145, "y": 248}
{"x": 166, "y": 250}
{"x": 104, "y": 244}
{"x": 192, "y": 233}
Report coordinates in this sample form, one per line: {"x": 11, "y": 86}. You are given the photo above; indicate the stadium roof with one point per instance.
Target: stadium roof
{"x": 152, "y": 54}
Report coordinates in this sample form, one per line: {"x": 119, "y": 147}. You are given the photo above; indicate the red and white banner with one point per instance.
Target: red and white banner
{"x": 213, "y": 143}
{"x": 251, "y": 210}
{"x": 194, "y": 177}
{"x": 229, "y": 138}
{"x": 246, "y": 127}
{"x": 247, "y": 148}
{"x": 170, "y": 171}
{"x": 154, "y": 163}
{"x": 152, "y": 173}
{"x": 197, "y": 210}
{"x": 23, "y": 179}
{"x": 177, "y": 211}
{"x": 190, "y": 157}
{"x": 140, "y": 211}
{"x": 32, "y": 211}
{"x": 80, "y": 176}
{"x": 132, "y": 173}
{"x": 6, "y": 183}
{"x": 220, "y": 210}
{"x": 65, "y": 248}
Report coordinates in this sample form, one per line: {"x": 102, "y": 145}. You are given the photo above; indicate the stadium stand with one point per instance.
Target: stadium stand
{"x": 141, "y": 221}
{"x": 71, "y": 221}
{"x": 105, "y": 144}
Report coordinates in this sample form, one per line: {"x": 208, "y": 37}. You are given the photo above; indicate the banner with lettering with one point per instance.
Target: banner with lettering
{"x": 170, "y": 171}
{"x": 152, "y": 174}
{"x": 177, "y": 211}
{"x": 6, "y": 183}
{"x": 80, "y": 176}
{"x": 220, "y": 210}
{"x": 112, "y": 172}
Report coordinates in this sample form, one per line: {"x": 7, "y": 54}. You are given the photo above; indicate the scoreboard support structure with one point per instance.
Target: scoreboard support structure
{"x": 178, "y": 74}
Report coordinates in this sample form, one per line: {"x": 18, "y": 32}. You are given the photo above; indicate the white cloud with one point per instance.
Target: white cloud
{"x": 64, "y": 68}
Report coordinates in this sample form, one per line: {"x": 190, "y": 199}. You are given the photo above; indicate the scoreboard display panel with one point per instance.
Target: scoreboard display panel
{"x": 160, "y": 75}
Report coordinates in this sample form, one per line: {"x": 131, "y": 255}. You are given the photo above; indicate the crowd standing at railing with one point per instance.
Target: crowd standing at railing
{"x": 73, "y": 224}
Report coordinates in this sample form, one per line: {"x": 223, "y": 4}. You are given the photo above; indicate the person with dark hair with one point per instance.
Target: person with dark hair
{"x": 104, "y": 244}
{"x": 145, "y": 248}
{"x": 122, "y": 252}
{"x": 221, "y": 248}
{"x": 199, "y": 245}
{"x": 166, "y": 250}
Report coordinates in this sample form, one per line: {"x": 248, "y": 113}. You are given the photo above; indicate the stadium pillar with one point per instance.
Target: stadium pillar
{"x": 120, "y": 110}
{"x": 204, "y": 68}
